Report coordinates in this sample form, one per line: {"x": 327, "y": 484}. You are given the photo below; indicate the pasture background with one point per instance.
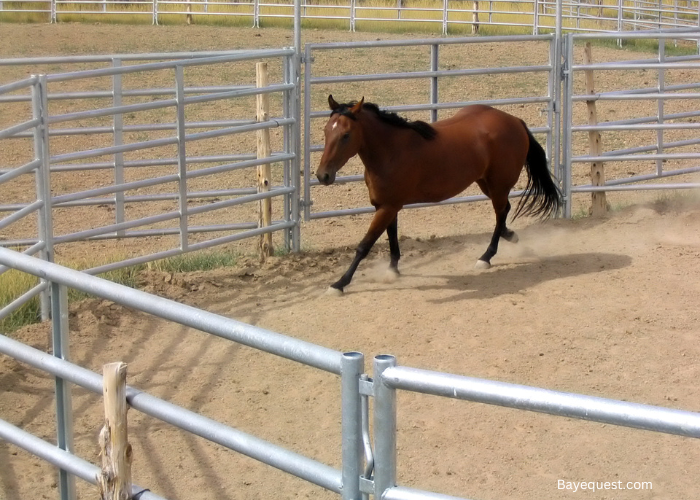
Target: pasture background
{"x": 602, "y": 307}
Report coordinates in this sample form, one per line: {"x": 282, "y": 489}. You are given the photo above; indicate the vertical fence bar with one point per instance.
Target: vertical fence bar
{"x": 308, "y": 63}
{"x": 352, "y": 15}
{"x": 53, "y": 11}
{"x": 445, "y": 7}
{"x": 296, "y": 104}
{"x": 384, "y": 428}
{"x": 557, "y": 68}
{"x": 552, "y": 134}
{"x": 353, "y": 364}
{"x": 536, "y": 17}
{"x": 118, "y": 131}
{"x": 155, "y": 13}
{"x": 567, "y": 122}
{"x": 434, "y": 66}
{"x": 620, "y": 4}
{"x": 660, "y": 107}
{"x": 181, "y": 154}
{"x": 557, "y": 76}
{"x": 64, "y": 408}
{"x": 366, "y": 438}
{"x": 287, "y": 98}
{"x": 43, "y": 180}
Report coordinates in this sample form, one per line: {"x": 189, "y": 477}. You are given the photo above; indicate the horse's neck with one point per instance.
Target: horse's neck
{"x": 381, "y": 142}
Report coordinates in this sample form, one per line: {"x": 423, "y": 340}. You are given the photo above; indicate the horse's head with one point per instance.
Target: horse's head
{"x": 343, "y": 139}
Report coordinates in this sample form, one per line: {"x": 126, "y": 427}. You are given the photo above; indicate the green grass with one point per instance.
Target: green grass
{"x": 15, "y": 283}
{"x": 649, "y": 45}
{"x": 12, "y": 285}
{"x": 198, "y": 261}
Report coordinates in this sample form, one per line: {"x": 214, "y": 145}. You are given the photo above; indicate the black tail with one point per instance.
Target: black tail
{"x": 542, "y": 196}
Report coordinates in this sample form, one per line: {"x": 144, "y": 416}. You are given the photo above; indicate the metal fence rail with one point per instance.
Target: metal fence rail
{"x": 378, "y": 476}
{"x": 349, "y": 366}
{"x": 61, "y": 458}
{"x": 534, "y": 16}
{"x": 380, "y": 463}
{"x": 388, "y": 378}
{"x": 433, "y": 75}
{"x": 663, "y": 122}
{"x": 182, "y": 97}
{"x": 42, "y": 245}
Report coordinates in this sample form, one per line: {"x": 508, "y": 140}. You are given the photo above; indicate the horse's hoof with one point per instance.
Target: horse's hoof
{"x": 334, "y": 292}
{"x": 482, "y": 264}
{"x": 390, "y": 276}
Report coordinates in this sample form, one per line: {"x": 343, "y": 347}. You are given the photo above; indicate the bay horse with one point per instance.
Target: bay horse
{"x": 414, "y": 162}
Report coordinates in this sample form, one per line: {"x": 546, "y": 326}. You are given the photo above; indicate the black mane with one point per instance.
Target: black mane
{"x": 424, "y": 129}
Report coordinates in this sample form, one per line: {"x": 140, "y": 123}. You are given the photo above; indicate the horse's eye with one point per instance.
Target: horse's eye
{"x": 346, "y": 136}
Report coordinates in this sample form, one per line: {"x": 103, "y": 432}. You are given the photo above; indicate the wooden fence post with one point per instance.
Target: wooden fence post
{"x": 264, "y": 171}
{"x": 598, "y": 198}
{"x": 114, "y": 481}
{"x": 475, "y": 18}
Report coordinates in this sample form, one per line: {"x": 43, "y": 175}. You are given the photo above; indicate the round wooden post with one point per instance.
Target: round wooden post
{"x": 475, "y": 18}
{"x": 598, "y": 199}
{"x": 114, "y": 481}
{"x": 264, "y": 171}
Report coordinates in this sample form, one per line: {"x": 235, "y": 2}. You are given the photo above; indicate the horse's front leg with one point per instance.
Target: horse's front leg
{"x": 383, "y": 218}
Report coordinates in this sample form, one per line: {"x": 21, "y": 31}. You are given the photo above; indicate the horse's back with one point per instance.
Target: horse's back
{"x": 490, "y": 142}
{"x": 490, "y": 117}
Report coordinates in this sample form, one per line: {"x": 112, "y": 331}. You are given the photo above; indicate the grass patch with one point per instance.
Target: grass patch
{"x": 682, "y": 48}
{"x": 202, "y": 261}
{"x": 14, "y": 283}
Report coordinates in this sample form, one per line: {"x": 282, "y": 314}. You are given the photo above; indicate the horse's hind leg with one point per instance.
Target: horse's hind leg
{"x": 393, "y": 234}
{"x": 506, "y": 233}
{"x": 501, "y": 206}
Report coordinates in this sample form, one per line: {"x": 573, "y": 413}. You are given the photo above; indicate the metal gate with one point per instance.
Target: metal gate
{"x": 543, "y": 96}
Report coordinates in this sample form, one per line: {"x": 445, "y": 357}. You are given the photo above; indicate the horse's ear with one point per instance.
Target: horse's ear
{"x": 331, "y": 102}
{"x": 358, "y": 107}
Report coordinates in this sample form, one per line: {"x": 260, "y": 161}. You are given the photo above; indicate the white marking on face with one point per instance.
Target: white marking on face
{"x": 334, "y": 126}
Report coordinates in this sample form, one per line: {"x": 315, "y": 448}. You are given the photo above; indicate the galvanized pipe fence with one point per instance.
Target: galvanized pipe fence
{"x": 663, "y": 122}
{"x": 533, "y": 16}
{"x": 369, "y": 461}
{"x": 559, "y": 106}
{"x": 348, "y": 365}
{"x": 564, "y": 125}
{"x": 545, "y": 99}
{"x": 366, "y": 469}
{"x": 42, "y": 128}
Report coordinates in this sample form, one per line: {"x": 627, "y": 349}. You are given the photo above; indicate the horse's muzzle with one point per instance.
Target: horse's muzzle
{"x": 326, "y": 178}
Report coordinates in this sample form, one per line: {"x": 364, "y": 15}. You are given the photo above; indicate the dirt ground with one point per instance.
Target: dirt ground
{"x": 602, "y": 307}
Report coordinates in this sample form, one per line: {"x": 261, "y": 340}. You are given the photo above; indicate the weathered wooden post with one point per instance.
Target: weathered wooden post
{"x": 264, "y": 171}
{"x": 598, "y": 198}
{"x": 475, "y": 18}
{"x": 189, "y": 12}
{"x": 114, "y": 481}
